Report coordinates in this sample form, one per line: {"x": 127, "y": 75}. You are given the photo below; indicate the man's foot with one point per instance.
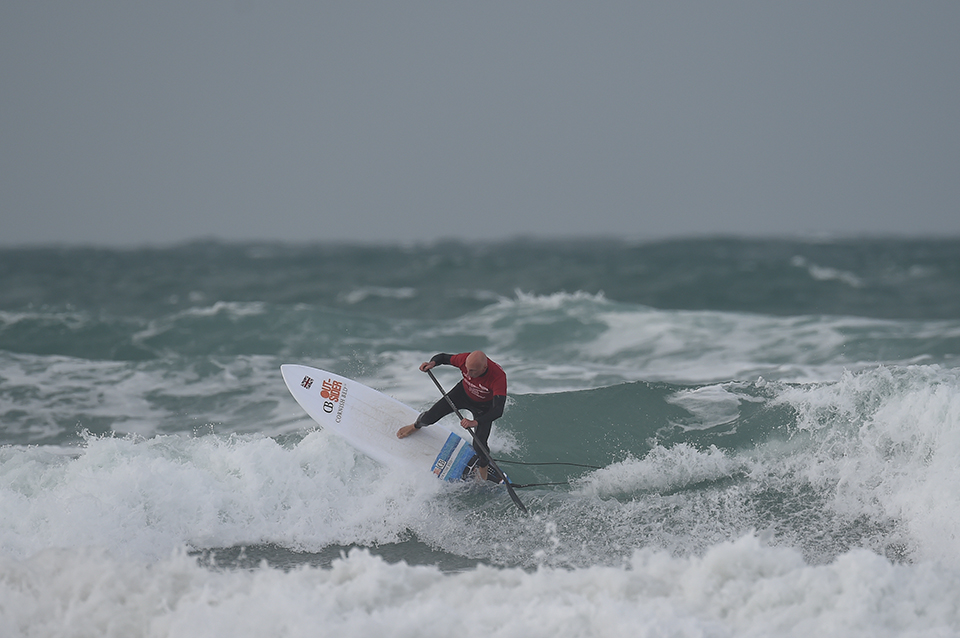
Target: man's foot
{"x": 406, "y": 431}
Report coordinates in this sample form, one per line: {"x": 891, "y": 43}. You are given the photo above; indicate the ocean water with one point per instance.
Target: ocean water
{"x": 757, "y": 438}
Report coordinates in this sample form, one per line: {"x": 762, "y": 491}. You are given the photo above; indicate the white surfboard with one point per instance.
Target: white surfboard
{"x": 368, "y": 420}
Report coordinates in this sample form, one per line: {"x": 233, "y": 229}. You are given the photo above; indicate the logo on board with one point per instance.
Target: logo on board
{"x": 307, "y": 382}
{"x": 330, "y": 390}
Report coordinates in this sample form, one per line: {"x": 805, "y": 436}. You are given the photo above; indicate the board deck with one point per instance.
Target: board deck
{"x": 368, "y": 420}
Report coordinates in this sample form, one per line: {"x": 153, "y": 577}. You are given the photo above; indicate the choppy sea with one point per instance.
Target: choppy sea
{"x": 761, "y": 438}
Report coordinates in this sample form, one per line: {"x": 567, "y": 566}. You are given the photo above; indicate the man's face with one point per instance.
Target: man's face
{"x": 476, "y": 370}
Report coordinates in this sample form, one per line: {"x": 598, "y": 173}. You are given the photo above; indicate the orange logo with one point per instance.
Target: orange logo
{"x": 330, "y": 389}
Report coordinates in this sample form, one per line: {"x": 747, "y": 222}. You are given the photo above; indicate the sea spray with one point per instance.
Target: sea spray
{"x": 741, "y": 437}
{"x": 737, "y": 588}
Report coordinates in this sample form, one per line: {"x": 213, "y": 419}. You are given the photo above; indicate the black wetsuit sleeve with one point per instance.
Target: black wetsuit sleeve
{"x": 441, "y": 359}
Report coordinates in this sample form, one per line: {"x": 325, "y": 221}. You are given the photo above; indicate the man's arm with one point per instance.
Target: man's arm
{"x": 439, "y": 359}
{"x": 494, "y": 413}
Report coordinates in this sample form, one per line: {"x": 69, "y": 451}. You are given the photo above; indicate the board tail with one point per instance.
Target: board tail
{"x": 454, "y": 461}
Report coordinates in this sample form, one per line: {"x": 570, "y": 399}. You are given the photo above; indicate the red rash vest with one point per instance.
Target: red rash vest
{"x": 492, "y": 383}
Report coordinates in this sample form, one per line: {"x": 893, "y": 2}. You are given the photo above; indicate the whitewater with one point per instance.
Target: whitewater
{"x": 729, "y": 438}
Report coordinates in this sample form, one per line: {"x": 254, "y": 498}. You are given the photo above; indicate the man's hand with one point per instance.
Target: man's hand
{"x": 467, "y": 423}
{"x": 427, "y": 365}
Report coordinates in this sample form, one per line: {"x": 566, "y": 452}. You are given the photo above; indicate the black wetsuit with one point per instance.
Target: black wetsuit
{"x": 492, "y": 383}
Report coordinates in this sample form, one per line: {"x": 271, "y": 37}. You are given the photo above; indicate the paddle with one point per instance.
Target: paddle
{"x": 478, "y": 445}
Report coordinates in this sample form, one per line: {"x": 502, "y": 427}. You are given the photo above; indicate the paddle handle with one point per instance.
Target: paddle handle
{"x": 443, "y": 392}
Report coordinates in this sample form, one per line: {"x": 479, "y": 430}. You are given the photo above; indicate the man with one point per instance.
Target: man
{"x": 483, "y": 391}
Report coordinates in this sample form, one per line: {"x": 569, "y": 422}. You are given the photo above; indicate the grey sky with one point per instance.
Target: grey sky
{"x": 134, "y": 122}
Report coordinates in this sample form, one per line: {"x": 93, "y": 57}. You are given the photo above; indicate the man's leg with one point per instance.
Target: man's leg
{"x": 439, "y": 410}
{"x": 482, "y": 433}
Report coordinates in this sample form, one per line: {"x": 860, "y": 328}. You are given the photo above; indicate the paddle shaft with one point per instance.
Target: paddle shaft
{"x": 479, "y": 445}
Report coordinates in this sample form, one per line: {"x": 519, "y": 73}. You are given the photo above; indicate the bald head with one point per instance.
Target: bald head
{"x": 476, "y": 363}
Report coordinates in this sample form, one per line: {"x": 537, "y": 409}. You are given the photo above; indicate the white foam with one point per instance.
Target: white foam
{"x": 739, "y": 588}
{"x": 660, "y": 470}
{"x": 710, "y": 405}
{"x": 573, "y": 341}
{"x": 146, "y": 497}
{"x": 879, "y": 444}
{"x": 885, "y": 445}
{"x": 707, "y": 347}
{"x": 362, "y": 294}
{"x": 59, "y": 395}
{"x": 598, "y": 342}
{"x": 57, "y": 390}
{"x": 823, "y": 273}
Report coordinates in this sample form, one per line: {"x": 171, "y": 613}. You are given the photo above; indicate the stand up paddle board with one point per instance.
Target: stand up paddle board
{"x": 368, "y": 420}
